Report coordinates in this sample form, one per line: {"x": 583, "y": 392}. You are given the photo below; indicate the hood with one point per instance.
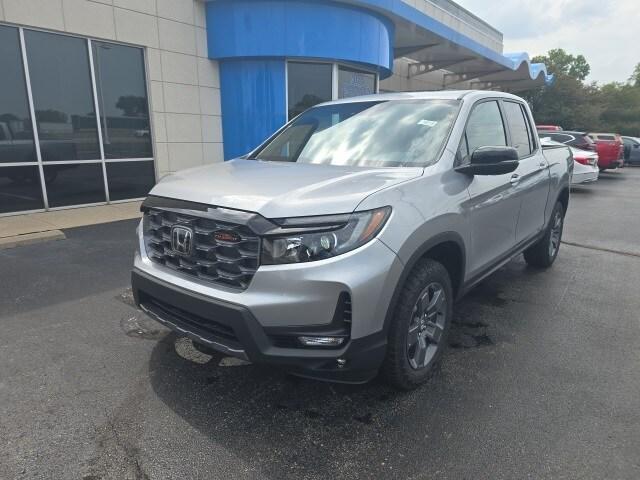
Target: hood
{"x": 278, "y": 189}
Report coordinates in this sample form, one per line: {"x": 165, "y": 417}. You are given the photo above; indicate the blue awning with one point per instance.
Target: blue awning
{"x": 440, "y": 35}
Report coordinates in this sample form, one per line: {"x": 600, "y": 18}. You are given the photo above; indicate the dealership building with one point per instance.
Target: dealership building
{"x": 100, "y": 98}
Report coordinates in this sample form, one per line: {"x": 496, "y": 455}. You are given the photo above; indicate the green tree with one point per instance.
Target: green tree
{"x": 634, "y": 79}
{"x": 568, "y": 101}
{"x": 559, "y": 62}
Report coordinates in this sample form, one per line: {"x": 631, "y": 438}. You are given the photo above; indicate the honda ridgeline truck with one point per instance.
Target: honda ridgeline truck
{"x": 337, "y": 248}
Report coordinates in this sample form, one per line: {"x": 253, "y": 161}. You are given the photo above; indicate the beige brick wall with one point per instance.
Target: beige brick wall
{"x": 184, "y": 85}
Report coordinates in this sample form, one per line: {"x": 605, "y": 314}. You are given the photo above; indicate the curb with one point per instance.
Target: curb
{"x": 31, "y": 238}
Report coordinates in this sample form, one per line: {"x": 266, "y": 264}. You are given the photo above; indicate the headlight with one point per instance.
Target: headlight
{"x": 309, "y": 239}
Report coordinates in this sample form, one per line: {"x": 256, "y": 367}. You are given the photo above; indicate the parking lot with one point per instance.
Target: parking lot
{"x": 541, "y": 380}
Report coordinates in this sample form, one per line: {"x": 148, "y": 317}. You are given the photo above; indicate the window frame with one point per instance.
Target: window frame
{"x": 335, "y": 71}
{"x": 95, "y": 101}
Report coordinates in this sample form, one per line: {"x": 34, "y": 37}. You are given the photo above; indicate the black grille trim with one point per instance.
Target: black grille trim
{"x": 231, "y": 264}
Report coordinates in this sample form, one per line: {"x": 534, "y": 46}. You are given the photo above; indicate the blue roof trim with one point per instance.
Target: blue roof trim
{"x": 308, "y": 29}
{"x": 411, "y": 14}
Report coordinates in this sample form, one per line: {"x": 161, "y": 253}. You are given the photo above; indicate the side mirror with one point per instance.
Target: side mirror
{"x": 491, "y": 161}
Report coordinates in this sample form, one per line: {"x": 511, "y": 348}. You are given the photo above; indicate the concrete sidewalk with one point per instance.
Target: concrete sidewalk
{"x": 38, "y": 227}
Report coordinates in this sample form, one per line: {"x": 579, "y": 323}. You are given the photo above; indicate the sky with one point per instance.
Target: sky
{"x": 606, "y": 32}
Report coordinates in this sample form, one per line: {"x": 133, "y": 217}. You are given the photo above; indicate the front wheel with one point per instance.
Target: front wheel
{"x": 420, "y": 326}
{"x": 543, "y": 253}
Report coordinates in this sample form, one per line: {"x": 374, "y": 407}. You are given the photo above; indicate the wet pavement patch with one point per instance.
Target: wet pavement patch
{"x": 139, "y": 326}
{"x": 126, "y": 297}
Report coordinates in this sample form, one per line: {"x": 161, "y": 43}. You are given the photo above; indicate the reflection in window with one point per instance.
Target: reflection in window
{"x": 518, "y": 128}
{"x": 353, "y": 83}
{"x": 122, "y": 96}
{"x": 308, "y": 84}
{"x": 74, "y": 184}
{"x": 484, "y": 129}
{"x": 130, "y": 179}
{"x": 373, "y": 134}
{"x": 62, "y": 96}
{"x": 16, "y": 134}
{"x": 20, "y": 189}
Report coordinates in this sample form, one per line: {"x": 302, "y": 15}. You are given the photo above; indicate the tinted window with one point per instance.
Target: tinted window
{"x": 20, "y": 189}
{"x": 608, "y": 138}
{"x": 557, "y": 137}
{"x": 352, "y": 83}
{"x": 308, "y": 84}
{"x": 130, "y": 179}
{"x": 74, "y": 184}
{"x": 385, "y": 134}
{"x": 122, "y": 96}
{"x": 62, "y": 96}
{"x": 484, "y": 129}
{"x": 519, "y": 128}
{"x": 16, "y": 135}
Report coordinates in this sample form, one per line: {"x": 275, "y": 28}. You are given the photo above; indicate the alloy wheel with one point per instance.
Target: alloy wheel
{"x": 556, "y": 234}
{"x": 426, "y": 327}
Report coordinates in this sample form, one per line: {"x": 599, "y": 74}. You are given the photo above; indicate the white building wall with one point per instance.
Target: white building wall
{"x": 461, "y": 20}
{"x": 401, "y": 82}
{"x": 184, "y": 85}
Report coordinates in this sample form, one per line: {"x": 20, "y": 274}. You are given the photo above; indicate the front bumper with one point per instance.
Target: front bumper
{"x": 233, "y": 329}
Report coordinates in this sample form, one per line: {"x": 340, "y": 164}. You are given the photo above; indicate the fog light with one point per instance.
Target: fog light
{"x": 321, "y": 341}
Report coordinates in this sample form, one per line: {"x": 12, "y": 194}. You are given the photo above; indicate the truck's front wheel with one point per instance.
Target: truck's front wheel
{"x": 544, "y": 252}
{"x": 420, "y": 326}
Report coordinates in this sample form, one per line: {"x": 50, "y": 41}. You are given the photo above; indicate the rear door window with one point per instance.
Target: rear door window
{"x": 520, "y": 137}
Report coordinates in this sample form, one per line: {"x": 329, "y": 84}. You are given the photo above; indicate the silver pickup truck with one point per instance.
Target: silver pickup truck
{"x": 337, "y": 248}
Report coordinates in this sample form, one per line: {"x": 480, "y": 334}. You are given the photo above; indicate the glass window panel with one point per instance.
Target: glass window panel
{"x": 130, "y": 179}
{"x": 16, "y": 133}
{"x": 308, "y": 84}
{"x": 20, "y": 189}
{"x": 398, "y": 134}
{"x": 74, "y": 184}
{"x": 122, "y": 96}
{"x": 518, "y": 128}
{"x": 484, "y": 129}
{"x": 353, "y": 83}
{"x": 62, "y": 96}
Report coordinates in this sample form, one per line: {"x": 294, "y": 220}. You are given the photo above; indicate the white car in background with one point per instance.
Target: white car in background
{"x": 585, "y": 163}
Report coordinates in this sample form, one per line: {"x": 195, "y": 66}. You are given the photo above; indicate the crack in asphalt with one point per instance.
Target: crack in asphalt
{"x": 602, "y": 249}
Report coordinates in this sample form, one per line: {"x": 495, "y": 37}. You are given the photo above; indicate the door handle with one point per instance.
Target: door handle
{"x": 542, "y": 164}
{"x": 515, "y": 179}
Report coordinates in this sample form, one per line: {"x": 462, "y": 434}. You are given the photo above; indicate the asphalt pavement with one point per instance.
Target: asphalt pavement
{"x": 542, "y": 379}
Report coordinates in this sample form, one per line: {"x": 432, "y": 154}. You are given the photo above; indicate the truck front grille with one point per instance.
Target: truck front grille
{"x": 231, "y": 259}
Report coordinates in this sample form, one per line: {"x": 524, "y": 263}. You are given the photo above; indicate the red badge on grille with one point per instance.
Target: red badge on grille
{"x": 225, "y": 236}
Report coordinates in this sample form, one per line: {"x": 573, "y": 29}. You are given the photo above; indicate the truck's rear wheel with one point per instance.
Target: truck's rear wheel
{"x": 544, "y": 252}
{"x": 420, "y": 326}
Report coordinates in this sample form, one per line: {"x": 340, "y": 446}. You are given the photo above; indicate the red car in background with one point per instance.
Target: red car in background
{"x": 548, "y": 128}
{"x": 610, "y": 149}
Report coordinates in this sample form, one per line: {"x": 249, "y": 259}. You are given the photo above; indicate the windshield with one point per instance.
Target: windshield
{"x": 398, "y": 133}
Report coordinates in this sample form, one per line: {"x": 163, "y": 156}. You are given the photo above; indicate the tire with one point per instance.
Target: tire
{"x": 543, "y": 253}
{"x": 411, "y": 333}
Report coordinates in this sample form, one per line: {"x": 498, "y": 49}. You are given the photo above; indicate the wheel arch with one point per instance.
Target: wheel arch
{"x": 447, "y": 248}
